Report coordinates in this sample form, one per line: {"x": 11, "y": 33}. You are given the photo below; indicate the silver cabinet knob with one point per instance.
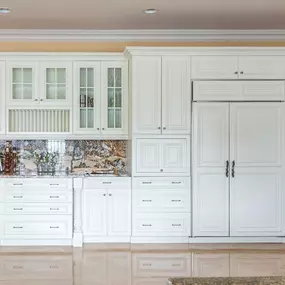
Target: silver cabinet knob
{"x": 164, "y": 128}
{"x": 103, "y": 129}
{"x": 104, "y": 194}
{"x": 161, "y": 170}
{"x": 236, "y": 72}
{"x": 159, "y": 128}
{"x": 35, "y": 99}
{"x": 241, "y": 72}
{"x": 98, "y": 129}
{"x": 110, "y": 194}
{"x": 41, "y": 100}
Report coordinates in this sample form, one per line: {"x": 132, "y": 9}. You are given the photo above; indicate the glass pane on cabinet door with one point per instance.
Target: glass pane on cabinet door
{"x": 118, "y": 77}
{"x": 90, "y": 118}
{"x": 51, "y": 90}
{"x": 111, "y": 99}
{"x": 17, "y": 75}
{"x": 82, "y": 77}
{"x": 61, "y": 91}
{"x": 111, "y": 77}
{"x": 27, "y": 91}
{"x": 90, "y": 77}
{"x": 82, "y": 118}
{"x": 118, "y": 98}
{"x": 27, "y": 75}
{"x": 118, "y": 118}
{"x": 60, "y": 75}
{"x": 90, "y": 97}
{"x": 17, "y": 91}
{"x": 111, "y": 117}
{"x": 50, "y": 75}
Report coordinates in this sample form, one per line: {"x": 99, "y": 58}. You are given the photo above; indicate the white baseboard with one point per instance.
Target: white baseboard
{"x": 36, "y": 242}
{"x": 159, "y": 239}
{"x": 237, "y": 240}
{"x": 95, "y": 239}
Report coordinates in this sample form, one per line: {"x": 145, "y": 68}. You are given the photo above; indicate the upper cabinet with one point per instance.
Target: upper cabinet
{"x": 238, "y": 67}
{"x": 2, "y": 97}
{"x": 161, "y": 94}
{"x": 100, "y": 97}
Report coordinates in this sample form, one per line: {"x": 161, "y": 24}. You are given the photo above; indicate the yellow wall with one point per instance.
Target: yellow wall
{"x": 110, "y": 46}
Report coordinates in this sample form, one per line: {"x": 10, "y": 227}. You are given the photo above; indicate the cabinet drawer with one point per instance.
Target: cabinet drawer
{"x": 35, "y": 208}
{"x": 18, "y": 267}
{"x": 38, "y": 182}
{"x": 161, "y": 183}
{"x": 37, "y": 227}
{"x": 111, "y": 182}
{"x": 153, "y": 224}
{"x": 161, "y": 265}
{"x": 162, "y": 201}
{"x": 13, "y": 195}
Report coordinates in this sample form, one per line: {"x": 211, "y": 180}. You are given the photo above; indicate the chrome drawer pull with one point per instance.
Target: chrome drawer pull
{"x": 175, "y": 200}
{"x": 53, "y": 266}
{"x": 147, "y": 200}
{"x": 18, "y": 184}
{"x": 54, "y": 227}
{"x": 17, "y": 209}
{"x": 147, "y": 182}
{"x": 18, "y": 227}
{"x": 176, "y": 182}
{"x": 54, "y": 184}
{"x": 107, "y": 182}
{"x": 17, "y": 196}
{"x": 54, "y": 209}
{"x": 146, "y": 225}
{"x": 146, "y": 264}
{"x": 56, "y": 197}
{"x": 17, "y": 267}
{"x": 176, "y": 225}
{"x": 175, "y": 264}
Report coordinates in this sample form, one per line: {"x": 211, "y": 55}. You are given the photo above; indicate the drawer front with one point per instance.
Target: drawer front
{"x": 161, "y": 183}
{"x": 111, "y": 182}
{"x": 37, "y": 227}
{"x": 38, "y": 182}
{"x": 13, "y": 195}
{"x": 36, "y": 208}
{"x": 17, "y": 267}
{"x": 153, "y": 224}
{"x": 162, "y": 201}
{"x": 150, "y": 281}
{"x": 161, "y": 265}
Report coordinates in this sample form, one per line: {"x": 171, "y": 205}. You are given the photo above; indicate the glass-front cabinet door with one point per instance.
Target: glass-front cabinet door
{"x": 21, "y": 83}
{"x": 56, "y": 83}
{"x": 114, "y": 97}
{"x": 86, "y": 97}
{"x": 2, "y": 97}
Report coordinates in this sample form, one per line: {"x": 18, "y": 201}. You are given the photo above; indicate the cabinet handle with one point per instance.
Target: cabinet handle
{"x": 227, "y": 168}
{"x": 41, "y": 100}
{"x": 54, "y": 227}
{"x": 104, "y": 194}
{"x": 35, "y": 99}
{"x": 147, "y": 200}
{"x": 53, "y": 209}
{"x": 233, "y": 168}
{"x": 98, "y": 129}
{"x": 103, "y": 129}
{"x": 175, "y": 264}
{"x": 146, "y": 264}
{"x": 18, "y": 227}
{"x": 53, "y": 266}
{"x": 175, "y": 200}
{"x": 161, "y": 170}
{"x": 55, "y": 197}
{"x": 18, "y": 197}
{"x": 18, "y": 184}
{"x": 17, "y": 267}
{"x": 106, "y": 182}
{"x": 164, "y": 128}
{"x": 176, "y": 182}
{"x": 110, "y": 194}
{"x": 146, "y": 225}
{"x": 159, "y": 128}
{"x": 54, "y": 184}
{"x": 17, "y": 209}
{"x": 241, "y": 72}
{"x": 236, "y": 72}
{"x": 176, "y": 225}
{"x": 146, "y": 182}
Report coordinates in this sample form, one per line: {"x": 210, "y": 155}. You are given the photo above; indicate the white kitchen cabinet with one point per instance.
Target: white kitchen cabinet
{"x": 238, "y": 67}
{"x": 106, "y": 209}
{"x": 100, "y": 97}
{"x": 239, "y": 90}
{"x": 55, "y": 83}
{"x": 238, "y": 158}
{"x": 210, "y": 158}
{"x": 161, "y": 157}
{"x": 2, "y": 98}
{"x": 94, "y": 217}
{"x": 161, "y": 94}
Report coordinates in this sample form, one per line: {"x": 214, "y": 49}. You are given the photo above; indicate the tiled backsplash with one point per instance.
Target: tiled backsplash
{"x": 75, "y": 154}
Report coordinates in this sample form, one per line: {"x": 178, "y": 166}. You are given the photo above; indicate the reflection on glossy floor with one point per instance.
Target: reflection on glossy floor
{"x": 136, "y": 264}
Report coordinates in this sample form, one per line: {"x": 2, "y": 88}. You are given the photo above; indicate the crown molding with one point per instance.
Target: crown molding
{"x": 142, "y": 35}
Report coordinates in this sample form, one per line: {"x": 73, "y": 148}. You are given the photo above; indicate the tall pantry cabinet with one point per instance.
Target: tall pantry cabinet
{"x": 160, "y": 90}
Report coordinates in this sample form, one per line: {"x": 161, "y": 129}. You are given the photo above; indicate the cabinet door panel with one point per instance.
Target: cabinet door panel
{"x": 86, "y": 100}
{"x": 214, "y": 67}
{"x": 119, "y": 212}
{"x": 2, "y": 97}
{"x": 146, "y": 94}
{"x": 256, "y": 134}
{"x": 261, "y": 67}
{"x": 94, "y": 212}
{"x": 114, "y": 100}
{"x": 148, "y": 155}
{"x": 210, "y": 134}
{"x": 256, "y": 202}
{"x": 176, "y": 95}
{"x": 175, "y": 156}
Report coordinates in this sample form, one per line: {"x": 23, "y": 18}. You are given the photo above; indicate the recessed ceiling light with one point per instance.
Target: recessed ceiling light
{"x": 5, "y": 10}
{"x": 150, "y": 11}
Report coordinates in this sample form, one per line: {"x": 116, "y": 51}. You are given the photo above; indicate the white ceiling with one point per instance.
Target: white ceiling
{"x": 127, "y": 14}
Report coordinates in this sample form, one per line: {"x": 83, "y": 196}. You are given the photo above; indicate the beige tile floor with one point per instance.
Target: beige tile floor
{"x": 117, "y": 264}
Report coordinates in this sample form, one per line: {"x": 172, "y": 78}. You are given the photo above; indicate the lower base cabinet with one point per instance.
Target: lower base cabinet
{"x": 106, "y": 210}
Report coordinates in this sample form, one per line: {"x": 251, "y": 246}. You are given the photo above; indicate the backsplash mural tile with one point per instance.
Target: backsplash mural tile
{"x": 74, "y": 154}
